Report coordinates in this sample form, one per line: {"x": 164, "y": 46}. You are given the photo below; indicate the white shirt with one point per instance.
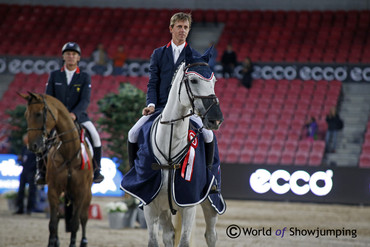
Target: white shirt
{"x": 176, "y": 50}
{"x": 69, "y": 74}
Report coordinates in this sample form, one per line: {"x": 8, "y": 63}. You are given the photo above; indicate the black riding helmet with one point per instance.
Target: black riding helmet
{"x": 71, "y": 46}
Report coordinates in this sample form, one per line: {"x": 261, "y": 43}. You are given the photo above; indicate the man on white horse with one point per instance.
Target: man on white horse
{"x": 163, "y": 64}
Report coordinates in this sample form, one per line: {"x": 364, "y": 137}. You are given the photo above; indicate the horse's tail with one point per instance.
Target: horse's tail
{"x": 68, "y": 213}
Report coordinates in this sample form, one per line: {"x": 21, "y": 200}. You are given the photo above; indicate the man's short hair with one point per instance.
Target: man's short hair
{"x": 181, "y": 16}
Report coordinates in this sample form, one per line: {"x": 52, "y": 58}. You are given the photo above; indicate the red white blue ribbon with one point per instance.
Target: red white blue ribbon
{"x": 188, "y": 164}
{"x": 84, "y": 155}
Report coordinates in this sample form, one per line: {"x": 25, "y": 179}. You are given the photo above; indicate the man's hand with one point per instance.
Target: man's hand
{"x": 148, "y": 110}
{"x": 73, "y": 116}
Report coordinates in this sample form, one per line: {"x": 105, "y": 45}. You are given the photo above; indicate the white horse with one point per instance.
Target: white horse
{"x": 190, "y": 93}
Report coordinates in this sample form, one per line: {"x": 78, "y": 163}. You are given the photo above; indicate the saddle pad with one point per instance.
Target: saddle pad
{"x": 144, "y": 183}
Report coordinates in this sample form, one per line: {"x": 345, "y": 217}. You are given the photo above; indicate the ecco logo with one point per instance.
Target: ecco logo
{"x": 300, "y": 182}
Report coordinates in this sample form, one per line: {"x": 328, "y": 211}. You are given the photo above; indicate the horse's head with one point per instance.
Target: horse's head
{"x": 41, "y": 119}
{"x": 199, "y": 82}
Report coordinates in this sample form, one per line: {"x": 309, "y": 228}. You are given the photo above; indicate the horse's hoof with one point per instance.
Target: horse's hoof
{"x": 83, "y": 242}
{"x": 54, "y": 242}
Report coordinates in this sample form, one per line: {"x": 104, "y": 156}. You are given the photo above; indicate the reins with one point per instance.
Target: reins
{"x": 175, "y": 161}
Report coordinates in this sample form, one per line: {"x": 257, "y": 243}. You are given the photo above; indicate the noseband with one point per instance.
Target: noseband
{"x": 192, "y": 97}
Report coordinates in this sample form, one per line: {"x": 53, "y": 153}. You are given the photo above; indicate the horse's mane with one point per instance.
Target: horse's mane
{"x": 52, "y": 100}
{"x": 176, "y": 71}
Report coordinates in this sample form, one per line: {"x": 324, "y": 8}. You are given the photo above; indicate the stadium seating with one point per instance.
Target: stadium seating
{"x": 266, "y": 121}
{"x": 272, "y": 124}
{"x": 290, "y": 36}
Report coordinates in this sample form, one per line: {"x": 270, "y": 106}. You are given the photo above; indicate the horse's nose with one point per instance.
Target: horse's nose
{"x": 34, "y": 147}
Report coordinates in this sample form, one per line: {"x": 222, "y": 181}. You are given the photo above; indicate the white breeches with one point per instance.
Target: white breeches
{"x": 133, "y": 134}
{"x": 93, "y": 133}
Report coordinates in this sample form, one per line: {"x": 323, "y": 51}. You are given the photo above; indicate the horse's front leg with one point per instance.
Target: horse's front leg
{"x": 83, "y": 219}
{"x": 165, "y": 220}
{"x": 210, "y": 216}
{"x": 151, "y": 217}
{"x": 72, "y": 242}
{"x": 74, "y": 222}
{"x": 54, "y": 220}
{"x": 188, "y": 218}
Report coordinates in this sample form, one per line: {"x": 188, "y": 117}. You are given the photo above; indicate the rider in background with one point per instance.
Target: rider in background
{"x": 73, "y": 88}
{"x": 163, "y": 64}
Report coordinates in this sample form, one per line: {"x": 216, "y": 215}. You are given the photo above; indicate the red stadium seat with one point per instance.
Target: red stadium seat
{"x": 273, "y": 158}
{"x": 315, "y": 159}
{"x": 287, "y": 158}
{"x": 291, "y": 145}
{"x": 364, "y": 161}
{"x": 259, "y": 157}
{"x": 301, "y": 158}
{"x": 318, "y": 147}
{"x": 304, "y": 146}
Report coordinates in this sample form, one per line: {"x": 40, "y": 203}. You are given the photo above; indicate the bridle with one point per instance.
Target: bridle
{"x": 192, "y": 97}
{"x": 49, "y": 139}
{"x": 173, "y": 161}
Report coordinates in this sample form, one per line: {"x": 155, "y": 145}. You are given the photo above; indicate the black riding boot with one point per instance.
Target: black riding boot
{"x": 210, "y": 153}
{"x": 97, "y": 157}
{"x": 132, "y": 149}
{"x": 40, "y": 170}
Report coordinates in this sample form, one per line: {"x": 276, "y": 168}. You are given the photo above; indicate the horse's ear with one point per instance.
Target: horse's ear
{"x": 34, "y": 95}
{"x": 208, "y": 54}
{"x": 24, "y": 96}
{"x": 188, "y": 55}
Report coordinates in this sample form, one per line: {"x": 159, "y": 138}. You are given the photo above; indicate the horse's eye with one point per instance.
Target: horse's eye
{"x": 38, "y": 114}
{"x": 194, "y": 81}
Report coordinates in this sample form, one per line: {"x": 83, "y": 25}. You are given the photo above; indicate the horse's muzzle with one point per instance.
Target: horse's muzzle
{"x": 213, "y": 117}
{"x": 36, "y": 146}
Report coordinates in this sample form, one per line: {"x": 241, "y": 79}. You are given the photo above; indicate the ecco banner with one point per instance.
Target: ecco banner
{"x": 266, "y": 71}
{"x": 316, "y": 72}
{"x": 349, "y": 185}
{"x": 28, "y": 65}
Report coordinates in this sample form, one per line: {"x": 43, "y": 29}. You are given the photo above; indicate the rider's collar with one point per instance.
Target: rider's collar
{"x": 169, "y": 43}
{"x": 64, "y": 69}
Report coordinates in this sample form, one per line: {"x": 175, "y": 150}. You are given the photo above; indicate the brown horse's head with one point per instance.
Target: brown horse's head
{"x": 41, "y": 118}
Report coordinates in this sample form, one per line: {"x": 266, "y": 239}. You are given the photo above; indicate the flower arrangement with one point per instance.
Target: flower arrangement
{"x": 119, "y": 206}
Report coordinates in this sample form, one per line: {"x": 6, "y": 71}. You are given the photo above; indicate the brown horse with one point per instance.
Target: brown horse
{"x": 46, "y": 115}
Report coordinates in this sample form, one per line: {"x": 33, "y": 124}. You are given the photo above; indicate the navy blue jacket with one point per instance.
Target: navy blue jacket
{"x": 161, "y": 71}
{"x": 75, "y": 96}
{"x": 28, "y": 161}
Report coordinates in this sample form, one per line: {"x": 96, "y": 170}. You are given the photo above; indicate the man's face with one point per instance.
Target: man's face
{"x": 71, "y": 57}
{"x": 180, "y": 31}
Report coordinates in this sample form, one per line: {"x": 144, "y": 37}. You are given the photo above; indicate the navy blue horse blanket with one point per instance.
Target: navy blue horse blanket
{"x": 145, "y": 183}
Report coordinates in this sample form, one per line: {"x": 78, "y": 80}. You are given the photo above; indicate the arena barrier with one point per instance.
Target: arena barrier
{"x": 343, "y": 185}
